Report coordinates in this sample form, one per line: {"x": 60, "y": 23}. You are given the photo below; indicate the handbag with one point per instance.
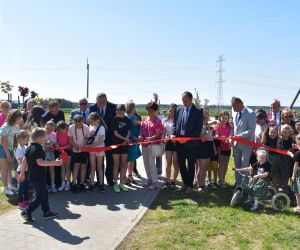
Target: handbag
{"x": 157, "y": 149}
{"x": 91, "y": 139}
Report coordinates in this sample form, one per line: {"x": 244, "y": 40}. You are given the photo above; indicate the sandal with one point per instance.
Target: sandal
{"x": 131, "y": 180}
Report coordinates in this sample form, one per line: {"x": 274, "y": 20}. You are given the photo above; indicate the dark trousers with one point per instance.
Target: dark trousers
{"x": 109, "y": 167}
{"x": 188, "y": 154}
{"x": 41, "y": 197}
{"x": 24, "y": 189}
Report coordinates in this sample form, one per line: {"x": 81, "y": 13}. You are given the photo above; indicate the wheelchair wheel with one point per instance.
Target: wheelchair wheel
{"x": 236, "y": 198}
{"x": 280, "y": 202}
{"x": 271, "y": 191}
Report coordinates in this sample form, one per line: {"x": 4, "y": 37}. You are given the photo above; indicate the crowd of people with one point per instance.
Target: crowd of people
{"x": 196, "y": 145}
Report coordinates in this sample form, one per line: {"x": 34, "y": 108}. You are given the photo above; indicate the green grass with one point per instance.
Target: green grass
{"x": 7, "y": 203}
{"x": 206, "y": 221}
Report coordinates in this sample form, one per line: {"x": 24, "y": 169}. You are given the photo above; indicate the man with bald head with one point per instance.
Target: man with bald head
{"x": 274, "y": 115}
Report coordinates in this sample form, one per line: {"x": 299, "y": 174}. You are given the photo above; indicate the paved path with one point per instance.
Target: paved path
{"x": 86, "y": 220}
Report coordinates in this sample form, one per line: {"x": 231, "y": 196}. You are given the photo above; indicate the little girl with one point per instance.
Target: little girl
{"x": 22, "y": 139}
{"x": 63, "y": 143}
{"x": 286, "y": 143}
{"x": 49, "y": 147}
{"x": 78, "y": 134}
{"x": 97, "y": 130}
{"x": 120, "y": 125}
{"x": 260, "y": 171}
{"x": 271, "y": 139}
{"x": 205, "y": 151}
{"x": 296, "y": 174}
{"x": 4, "y": 107}
{"x": 7, "y": 133}
{"x": 222, "y": 129}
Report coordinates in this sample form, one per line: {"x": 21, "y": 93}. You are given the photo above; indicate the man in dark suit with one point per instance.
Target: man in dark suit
{"x": 188, "y": 123}
{"x": 107, "y": 111}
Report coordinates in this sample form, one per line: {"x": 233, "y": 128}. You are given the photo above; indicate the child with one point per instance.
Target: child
{"x": 271, "y": 139}
{"x": 63, "y": 143}
{"x": 286, "y": 143}
{"x": 7, "y": 133}
{"x": 213, "y": 168}
{"x": 297, "y": 127}
{"x": 222, "y": 129}
{"x": 22, "y": 139}
{"x": 205, "y": 151}
{"x": 78, "y": 134}
{"x": 4, "y": 107}
{"x": 97, "y": 129}
{"x": 37, "y": 168}
{"x": 120, "y": 125}
{"x": 49, "y": 147}
{"x": 296, "y": 175}
{"x": 259, "y": 182}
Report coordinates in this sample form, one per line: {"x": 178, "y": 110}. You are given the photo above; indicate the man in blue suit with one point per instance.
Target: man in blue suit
{"x": 107, "y": 111}
{"x": 82, "y": 110}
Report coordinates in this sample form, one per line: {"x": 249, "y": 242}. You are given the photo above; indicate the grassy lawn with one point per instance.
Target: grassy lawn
{"x": 7, "y": 203}
{"x": 206, "y": 221}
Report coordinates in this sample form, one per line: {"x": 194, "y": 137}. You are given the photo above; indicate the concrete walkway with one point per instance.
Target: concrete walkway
{"x": 86, "y": 220}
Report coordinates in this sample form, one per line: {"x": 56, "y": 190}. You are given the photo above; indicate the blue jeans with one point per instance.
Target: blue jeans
{"x": 24, "y": 189}
{"x": 41, "y": 197}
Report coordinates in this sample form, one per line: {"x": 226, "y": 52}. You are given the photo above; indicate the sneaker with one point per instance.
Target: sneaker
{"x": 67, "y": 186}
{"x": 223, "y": 185}
{"x": 27, "y": 216}
{"x": 254, "y": 207}
{"x": 173, "y": 185}
{"x": 62, "y": 187}
{"x": 147, "y": 184}
{"x": 297, "y": 209}
{"x": 215, "y": 185}
{"x": 49, "y": 215}
{"x": 12, "y": 187}
{"x": 101, "y": 188}
{"x": 91, "y": 188}
{"x": 123, "y": 188}
{"x": 116, "y": 188}
{"x": 167, "y": 185}
{"x": 22, "y": 205}
{"x": 53, "y": 188}
{"x": 82, "y": 188}
{"x": 7, "y": 191}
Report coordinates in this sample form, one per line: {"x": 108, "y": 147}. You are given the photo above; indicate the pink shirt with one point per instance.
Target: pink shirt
{"x": 63, "y": 139}
{"x": 221, "y": 132}
{"x": 2, "y": 119}
{"x": 149, "y": 128}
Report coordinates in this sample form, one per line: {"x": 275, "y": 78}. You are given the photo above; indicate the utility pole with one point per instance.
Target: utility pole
{"x": 87, "y": 78}
{"x": 220, "y": 100}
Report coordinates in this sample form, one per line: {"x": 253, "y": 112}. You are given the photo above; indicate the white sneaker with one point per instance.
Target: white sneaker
{"x": 7, "y": 191}
{"x": 62, "y": 187}
{"x": 53, "y": 189}
{"x": 254, "y": 207}
{"x": 67, "y": 186}
{"x": 12, "y": 187}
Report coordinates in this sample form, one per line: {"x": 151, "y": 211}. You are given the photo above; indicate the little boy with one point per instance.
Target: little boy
{"x": 35, "y": 159}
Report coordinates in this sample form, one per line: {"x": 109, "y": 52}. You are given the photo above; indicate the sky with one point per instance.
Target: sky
{"x": 137, "y": 47}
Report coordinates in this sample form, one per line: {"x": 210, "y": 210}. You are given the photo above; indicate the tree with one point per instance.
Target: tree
{"x": 6, "y": 87}
{"x": 33, "y": 94}
{"x": 24, "y": 91}
{"x": 156, "y": 98}
{"x": 196, "y": 98}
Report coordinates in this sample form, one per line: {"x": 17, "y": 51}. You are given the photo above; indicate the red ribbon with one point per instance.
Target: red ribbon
{"x": 64, "y": 155}
{"x": 186, "y": 139}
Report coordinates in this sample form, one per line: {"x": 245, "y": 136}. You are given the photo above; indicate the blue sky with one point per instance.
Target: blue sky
{"x": 137, "y": 47}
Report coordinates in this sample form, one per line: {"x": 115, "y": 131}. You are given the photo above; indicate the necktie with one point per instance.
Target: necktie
{"x": 275, "y": 118}
{"x": 239, "y": 117}
{"x": 184, "y": 118}
{"x": 84, "y": 117}
{"x": 102, "y": 113}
